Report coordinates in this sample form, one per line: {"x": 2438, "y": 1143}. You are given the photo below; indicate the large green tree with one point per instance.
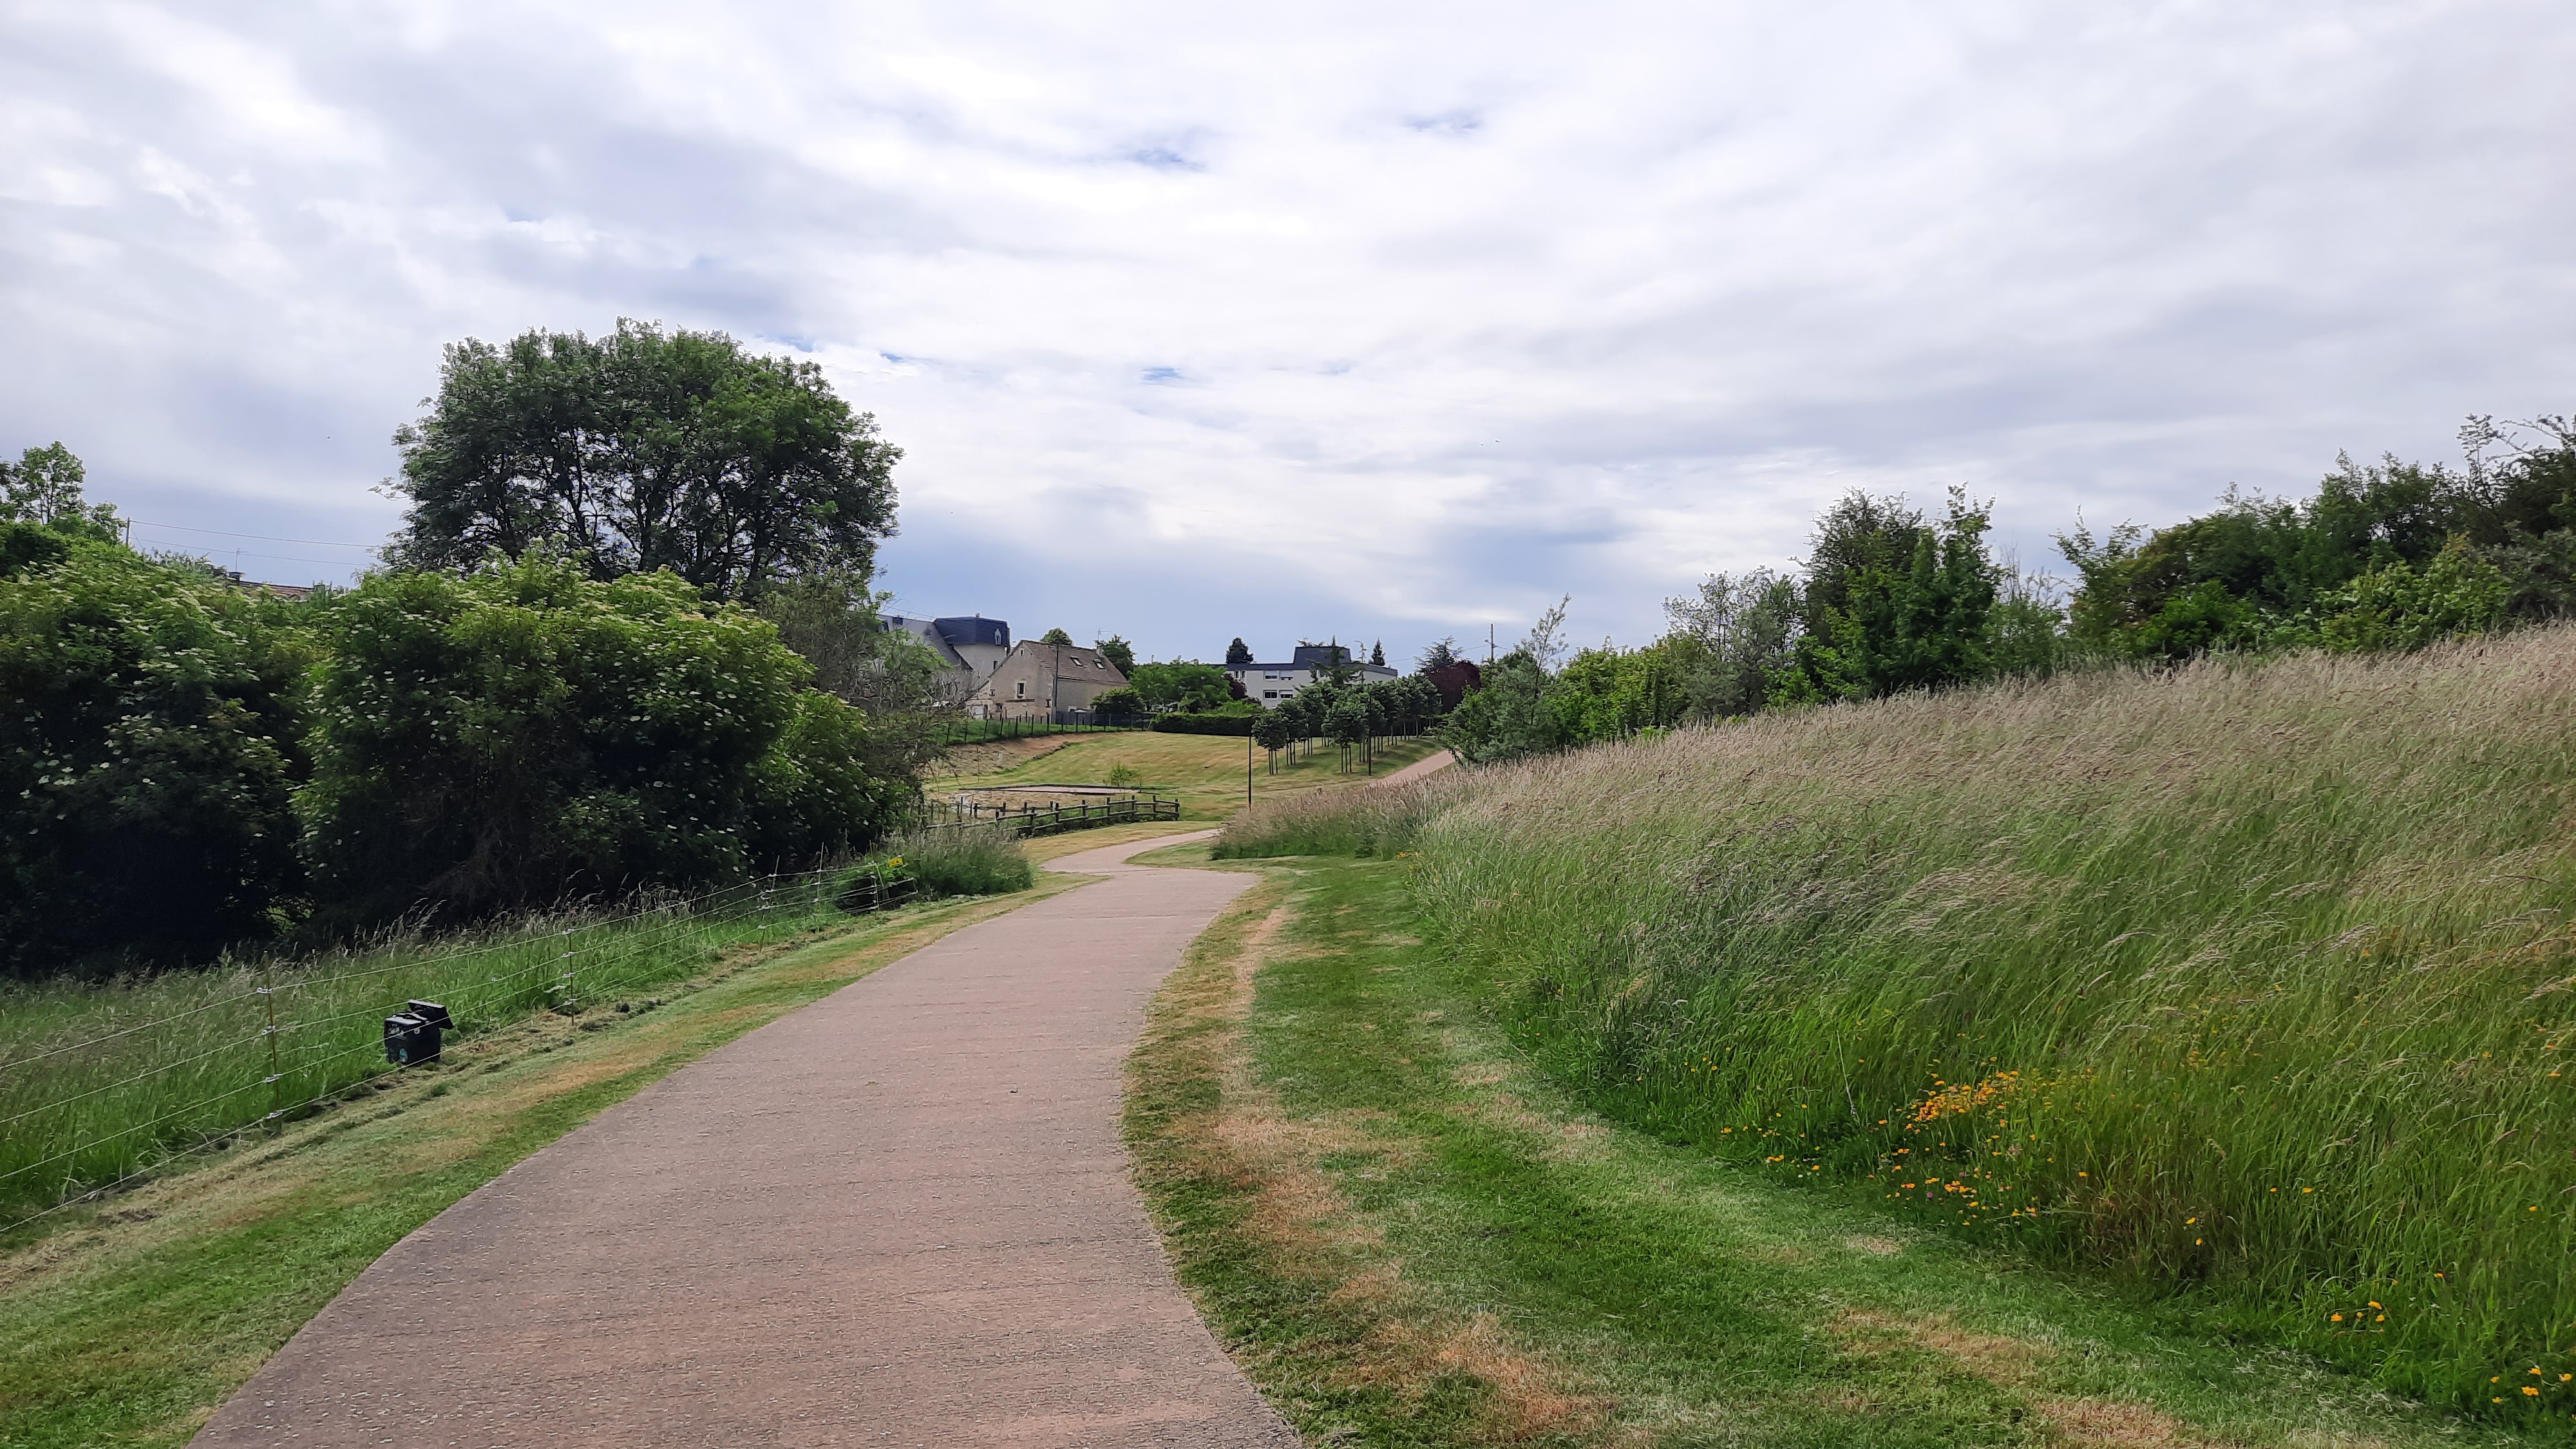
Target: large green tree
{"x": 44, "y": 487}
{"x": 643, "y": 450}
{"x": 1894, "y": 602}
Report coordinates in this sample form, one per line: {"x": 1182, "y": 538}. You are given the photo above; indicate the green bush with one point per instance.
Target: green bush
{"x": 1117, "y": 702}
{"x": 953, "y": 862}
{"x": 522, "y": 733}
{"x": 1189, "y": 686}
{"x": 148, "y": 752}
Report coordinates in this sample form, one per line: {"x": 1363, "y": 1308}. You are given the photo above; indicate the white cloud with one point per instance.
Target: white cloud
{"x": 1197, "y": 323}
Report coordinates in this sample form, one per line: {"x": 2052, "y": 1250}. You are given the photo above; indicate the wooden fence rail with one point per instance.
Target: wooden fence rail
{"x": 1028, "y": 820}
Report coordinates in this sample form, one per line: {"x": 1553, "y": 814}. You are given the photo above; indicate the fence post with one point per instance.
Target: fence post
{"x": 276, "y": 1078}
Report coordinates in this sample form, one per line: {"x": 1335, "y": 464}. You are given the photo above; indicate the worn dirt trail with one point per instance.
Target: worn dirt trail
{"x": 900, "y": 1215}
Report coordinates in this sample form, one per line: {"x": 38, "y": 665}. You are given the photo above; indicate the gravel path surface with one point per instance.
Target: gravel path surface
{"x": 900, "y": 1215}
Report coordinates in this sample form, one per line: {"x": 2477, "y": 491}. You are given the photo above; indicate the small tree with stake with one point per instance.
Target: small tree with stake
{"x": 1276, "y": 730}
{"x": 1347, "y": 721}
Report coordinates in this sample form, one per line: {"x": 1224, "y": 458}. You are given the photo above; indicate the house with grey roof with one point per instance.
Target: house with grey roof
{"x": 1273, "y": 684}
{"x": 970, "y": 646}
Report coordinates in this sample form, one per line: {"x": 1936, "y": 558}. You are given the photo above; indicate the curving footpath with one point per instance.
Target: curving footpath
{"x": 1427, "y": 765}
{"x": 900, "y": 1215}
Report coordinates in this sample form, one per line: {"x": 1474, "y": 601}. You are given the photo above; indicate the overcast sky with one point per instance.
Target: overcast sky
{"x": 1377, "y": 320}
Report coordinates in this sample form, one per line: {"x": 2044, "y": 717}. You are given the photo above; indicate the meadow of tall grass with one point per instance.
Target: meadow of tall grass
{"x": 2253, "y": 982}
{"x": 102, "y": 1081}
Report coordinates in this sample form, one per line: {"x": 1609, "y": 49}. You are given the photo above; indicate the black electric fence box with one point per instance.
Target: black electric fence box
{"x": 431, "y": 1012}
{"x": 410, "y": 1040}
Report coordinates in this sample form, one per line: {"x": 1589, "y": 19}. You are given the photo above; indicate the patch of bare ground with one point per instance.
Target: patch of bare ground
{"x": 2019, "y": 1364}
{"x": 994, "y": 756}
{"x": 1562, "y": 1139}
{"x": 1302, "y": 1223}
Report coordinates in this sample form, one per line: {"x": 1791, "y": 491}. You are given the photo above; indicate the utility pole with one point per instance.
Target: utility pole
{"x": 1489, "y": 646}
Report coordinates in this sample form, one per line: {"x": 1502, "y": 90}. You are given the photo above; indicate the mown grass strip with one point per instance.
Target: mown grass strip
{"x": 1409, "y": 1237}
{"x": 129, "y": 1322}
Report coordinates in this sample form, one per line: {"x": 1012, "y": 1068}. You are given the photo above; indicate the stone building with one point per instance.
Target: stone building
{"x": 969, "y": 648}
{"x": 1053, "y": 682}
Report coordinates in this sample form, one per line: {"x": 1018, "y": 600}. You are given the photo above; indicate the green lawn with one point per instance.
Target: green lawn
{"x": 1206, "y": 772}
{"x": 1409, "y": 1237}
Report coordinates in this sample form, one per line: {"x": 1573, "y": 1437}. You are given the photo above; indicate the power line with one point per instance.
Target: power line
{"x": 337, "y": 563}
{"x": 264, "y": 537}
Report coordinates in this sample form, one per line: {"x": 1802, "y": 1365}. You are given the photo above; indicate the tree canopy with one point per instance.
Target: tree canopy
{"x": 44, "y": 487}
{"x": 643, "y": 450}
{"x": 1182, "y": 685}
{"x": 2449, "y": 549}
{"x": 1238, "y": 652}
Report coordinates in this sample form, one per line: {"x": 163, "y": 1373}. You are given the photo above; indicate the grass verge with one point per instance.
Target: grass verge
{"x": 1409, "y": 1236}
{"x": 2249, "y": 984}
{"x": 130, "y": 1321}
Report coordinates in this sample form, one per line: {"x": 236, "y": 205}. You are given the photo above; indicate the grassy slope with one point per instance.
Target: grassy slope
{"x": 128, "y": 1323}
{"x": 1204, "y": 771}
{"x": 99, "y": 1080}
{"x": 2251, "y": 985}
{"x": 1409, "y": 1236}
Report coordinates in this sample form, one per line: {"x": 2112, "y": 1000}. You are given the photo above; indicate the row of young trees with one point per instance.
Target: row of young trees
{"x": 625, "y": 641}
{"x": 2388, "y": 556}
{"x": 1351, "y": 716}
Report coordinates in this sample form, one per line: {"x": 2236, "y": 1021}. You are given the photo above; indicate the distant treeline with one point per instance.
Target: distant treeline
{"x": 1890, "y": 599}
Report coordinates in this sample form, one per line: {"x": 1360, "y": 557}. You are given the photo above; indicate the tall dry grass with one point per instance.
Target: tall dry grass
{"x": 1377, "y": 820}
{"x": 2255, "y": 982}
{"x": 102, "y": 1081}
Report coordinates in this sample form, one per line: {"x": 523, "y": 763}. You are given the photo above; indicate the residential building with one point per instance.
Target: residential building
{"x": 971, "y": 647}
{"x": 1055, "y": 682}
{"x": 1270, "y": 684}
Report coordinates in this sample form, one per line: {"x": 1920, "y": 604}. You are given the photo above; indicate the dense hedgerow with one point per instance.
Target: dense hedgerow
{"x": 186, "y": 767}
{"x": 522, "y": 732}
{"x": 2257, "y": 983}
{"x": 150, "y": 745}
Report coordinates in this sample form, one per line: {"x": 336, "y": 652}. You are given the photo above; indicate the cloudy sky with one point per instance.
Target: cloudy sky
{"x": 1378, "y": 320}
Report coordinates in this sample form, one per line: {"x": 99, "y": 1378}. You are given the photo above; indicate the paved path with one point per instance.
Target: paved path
{"x": 1426, "y": 765}
{"x": 898, "y": 1216}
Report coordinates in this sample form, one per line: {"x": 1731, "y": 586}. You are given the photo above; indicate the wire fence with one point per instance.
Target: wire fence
{"x": 102, "y": 1085}
{"x": 100, "y": 1100}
